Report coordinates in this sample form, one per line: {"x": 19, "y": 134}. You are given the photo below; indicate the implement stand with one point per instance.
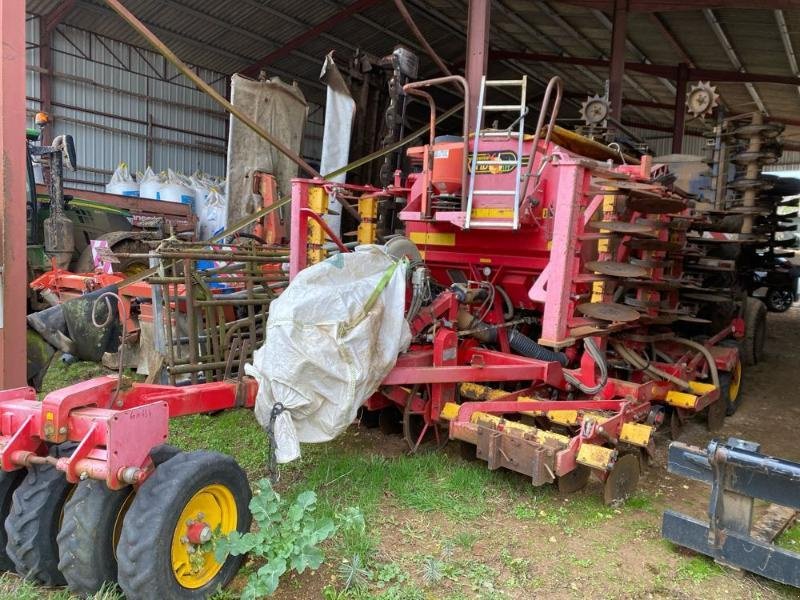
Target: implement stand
{"x": 738, "y": 474}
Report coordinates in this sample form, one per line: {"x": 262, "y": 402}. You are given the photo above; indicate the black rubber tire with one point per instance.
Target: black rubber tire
{"x": 85, "y": 543}
{"x": 127, "y": 265}
{"x": 725, "y": 380}
{"x": 33, "y": 524}
{"x": 144, "y": 550}
{"x": 9, "y": 481}
{"x": 779, "y": 300}
{"x": 755, "y": 331}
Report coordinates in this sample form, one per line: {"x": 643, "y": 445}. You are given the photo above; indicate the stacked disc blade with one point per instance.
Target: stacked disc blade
{"x": 640, "y": 258}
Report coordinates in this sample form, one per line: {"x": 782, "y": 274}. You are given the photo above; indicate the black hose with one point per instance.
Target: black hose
{"x": 524, "y": 345}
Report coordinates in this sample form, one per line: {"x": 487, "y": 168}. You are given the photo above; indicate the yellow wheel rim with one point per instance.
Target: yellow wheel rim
{"x": 215, "y": 506}
{"x": 736, "y": 382}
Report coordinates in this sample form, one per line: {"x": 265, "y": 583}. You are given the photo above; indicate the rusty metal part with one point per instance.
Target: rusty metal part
{"x": 706, "y": 297}
{"x": 608, "y": 311}
{"x": 616, "y": 269}
{"x": 621, "y": 226}
{"x": 621, "y": 481}
{"x": 650, "y": 203}
{"x": 653, "y": 245}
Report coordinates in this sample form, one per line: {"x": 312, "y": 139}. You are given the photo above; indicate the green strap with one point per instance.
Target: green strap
{"x": 373, "y": 297}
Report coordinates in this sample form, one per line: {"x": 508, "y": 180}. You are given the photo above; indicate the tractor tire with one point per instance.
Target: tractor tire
{"x": 9, "y": 481}
{"x": 153, "y": 553}
{"x": 127, "y": 265}
{"x": 779, "y": 300}
{"x": 33, "y": 524}
{"x": 90, "y": 530}
{"x": 755, "y": 331}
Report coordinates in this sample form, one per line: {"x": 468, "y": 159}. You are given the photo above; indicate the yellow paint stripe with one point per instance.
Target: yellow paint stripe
{"x": 433, "y": 239}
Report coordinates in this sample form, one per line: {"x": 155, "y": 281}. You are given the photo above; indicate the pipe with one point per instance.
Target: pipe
{"x": 163, "y": 49}
{"x": 421, "y": 38}
{"x": 712, "y": 365}
{"x": 413, "y": 89}
{"x": 524, "y": 345}
{"x": 639, "y": 363}
{"x": 554, "y": 82}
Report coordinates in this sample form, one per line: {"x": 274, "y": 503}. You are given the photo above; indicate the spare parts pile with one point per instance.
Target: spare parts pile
{"x": 549, "y": 313}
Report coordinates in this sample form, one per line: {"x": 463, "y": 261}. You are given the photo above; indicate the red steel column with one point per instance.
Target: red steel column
{"x": 680, "y": 108}
{"x": 617, "y": 70}
{"x": 12, "y": 196}
{"x": 478, "y": 23}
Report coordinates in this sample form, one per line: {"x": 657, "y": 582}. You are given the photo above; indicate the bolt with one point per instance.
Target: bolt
{"x": 84, "y": 475}
{"x": 62, "y": 430}
{"x": 190, "y": 522}
{"x": 191, "y": 549}
{"x": 201, "y": 516}
{"x": 184, "y": 540}
{"x": 205, "y": 535}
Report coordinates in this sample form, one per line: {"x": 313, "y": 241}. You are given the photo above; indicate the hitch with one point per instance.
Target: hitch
{"x": 738, "y": 473}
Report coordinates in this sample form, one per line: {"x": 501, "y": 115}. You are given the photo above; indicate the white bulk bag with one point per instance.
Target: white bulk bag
{"x": 122, "y": 182}
{"x": 332, "y": 336}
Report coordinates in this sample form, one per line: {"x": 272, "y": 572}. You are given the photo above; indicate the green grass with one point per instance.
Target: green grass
{"x": 61, "y": 375}
{"x": 790, "y": 539}
{"x": 699, "y": 569}
{"x": 14, "y": 588}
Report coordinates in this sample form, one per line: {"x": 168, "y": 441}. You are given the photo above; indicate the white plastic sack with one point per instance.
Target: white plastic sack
{"x": 149, "y": 184}
{"x": 332, "y": 337}
{"x": 176, "y": 188}
{"x": 212, "y": 218}
{"x": 122, "y": 183}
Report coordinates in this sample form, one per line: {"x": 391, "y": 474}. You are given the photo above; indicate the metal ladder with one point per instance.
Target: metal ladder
{"x": 475, "y": 163}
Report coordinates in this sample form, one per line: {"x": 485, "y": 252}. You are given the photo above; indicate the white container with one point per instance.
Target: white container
{"x": 149, "y": 184}
{"x": 122, "y": 183}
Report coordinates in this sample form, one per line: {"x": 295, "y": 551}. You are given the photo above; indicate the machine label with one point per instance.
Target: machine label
{"x": 501, "y": 157}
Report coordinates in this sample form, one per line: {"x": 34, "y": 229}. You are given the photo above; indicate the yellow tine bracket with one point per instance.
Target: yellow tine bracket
{"x": 596, "y": 457}
{"x": 681, "y": 399}
{"x": 368, "y": 227}
{"x": 637, "y": 434}
{"x": 318, "y": 202}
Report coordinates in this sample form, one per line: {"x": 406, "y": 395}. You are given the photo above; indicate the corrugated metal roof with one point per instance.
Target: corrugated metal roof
{"x": 228, "y": 36}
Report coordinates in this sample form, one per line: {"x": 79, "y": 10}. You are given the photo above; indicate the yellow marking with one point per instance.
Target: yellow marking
{"x": 681, "y": 399}
{"x": 367, "y": 228}
{"x": 318, "y": 202}
{"x": 50, "y": 416}
{"x": 701, "y": 389}
{"x": 596, "y": 457}
{"x": 433, "y": 239}
{"x": 609, "y": 201}
{"x": 637, "y": 434}
{"x": 526, "y": 431}
{"x": 485, "y": 261}
{"x": 492, "y": 213}
{"x": 449, "y": 411}
{"x": 563, "y": 417}
{"x": 545, "y": 213}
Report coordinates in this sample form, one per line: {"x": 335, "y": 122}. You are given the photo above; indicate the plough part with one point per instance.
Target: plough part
{"x": 738, "y": 473}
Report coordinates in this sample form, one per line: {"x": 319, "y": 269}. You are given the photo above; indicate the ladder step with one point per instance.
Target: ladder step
{"x": 501, "y": 107}
{"x": 496, "y": 162}
{"x": 494, "y": 193}
{"x": 504, "y": 224}
{"x": 505, "y": 83}
{"x": 504, "y": 133}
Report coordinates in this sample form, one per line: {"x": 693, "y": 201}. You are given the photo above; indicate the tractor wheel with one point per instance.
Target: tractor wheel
{"x": 33, "y": 524}
{"x": 204, "y": 494}
{"x": 90, "y": 531}
{"x": 731, "y": 387}
{"x": 755, "y": 331}
{"x": 779, "y": 299}
{"x": 9, "y": 481}
{"x": 127, "y": 265}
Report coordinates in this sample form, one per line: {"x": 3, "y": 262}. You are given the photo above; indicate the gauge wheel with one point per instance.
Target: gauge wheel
{"x": 33, "y": 523}
{"x": 575, "y": 480}
{"x": 163, "y": 550}
{"x": 779, "y": 299}
{"x": 755, "y": 331}
{"x": 90, "y": 531}
{"x": 730, "y": 384}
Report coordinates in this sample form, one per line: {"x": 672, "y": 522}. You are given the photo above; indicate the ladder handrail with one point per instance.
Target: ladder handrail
{"x": 413, "y": 89}
{"x": 557, "y": 83}
{"x": 478, "y": 124}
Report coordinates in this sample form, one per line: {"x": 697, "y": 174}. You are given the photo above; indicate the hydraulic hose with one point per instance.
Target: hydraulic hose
{"x": 524, "y": 345}
{"x": 600, "y": 360}
{"x": 639, "y": 363}
{"x": 712, "y": 365}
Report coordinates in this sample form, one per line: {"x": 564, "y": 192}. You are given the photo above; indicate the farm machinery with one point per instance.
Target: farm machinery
{"x": 553, "y": 330}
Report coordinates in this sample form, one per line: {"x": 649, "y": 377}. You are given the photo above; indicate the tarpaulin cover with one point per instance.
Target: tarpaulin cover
{"x": 332, "y": 336}
{"x": 281, "y": 110}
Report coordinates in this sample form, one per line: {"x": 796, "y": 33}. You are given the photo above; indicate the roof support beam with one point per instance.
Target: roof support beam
{"x": 655, "y": 70}
{"x": 680, "y": 109}
{"x": 659, "y": 22}
{"x": 787, "y": 43}
{"x": 12, "y": 197}
{"x": 478, "y": 26}
{"x": 616, "y": 71}
{"x": 711, "y": 17}
{"x": 55, "y": 16}
{"x": 309, "y": 34}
